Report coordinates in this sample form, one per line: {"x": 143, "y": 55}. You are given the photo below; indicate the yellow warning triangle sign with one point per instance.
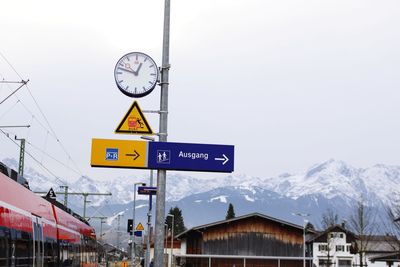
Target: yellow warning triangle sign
{"x": 134, "y": 122}
{"x": 139, "y": 227}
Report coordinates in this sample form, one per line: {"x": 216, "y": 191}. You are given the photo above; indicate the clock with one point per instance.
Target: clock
{"x": 136, "y": 74}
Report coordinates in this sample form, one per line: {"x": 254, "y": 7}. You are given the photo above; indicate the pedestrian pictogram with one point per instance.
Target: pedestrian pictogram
{"x": 163, "y": 156}
{"x": 139, "y": 227}
{"x": 134, "y": 122}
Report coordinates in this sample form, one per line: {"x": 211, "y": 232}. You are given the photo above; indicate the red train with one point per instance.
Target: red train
{"x": 40, "y": 233}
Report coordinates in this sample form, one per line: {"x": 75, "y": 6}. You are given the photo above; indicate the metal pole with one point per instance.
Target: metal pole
{"x": 21, "y": 156}
{"x": 84, "y": 205}
{"x": 304, "y": 245}
{"x": 172, "y": 239}
{"x": 147, "y": 258}
{"x": 172, "y": 236}
{"x": 133, "y": 247}
{"x": 65, "y": 194}
{"x": 303, "y": 215}
{"x": 166, "y": 240}
{"x": 118, "y": 231}
{"x": 133, "y": 228}
{"x": 101, "y": 229}
{"x": 15, "y": 126}
{"x": 23, "y": 83}
{"x": 162, "y": 174}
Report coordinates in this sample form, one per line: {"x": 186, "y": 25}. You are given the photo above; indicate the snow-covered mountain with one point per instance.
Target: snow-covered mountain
{"x": 332, "y": 184}
{"x": 337, "y": 179}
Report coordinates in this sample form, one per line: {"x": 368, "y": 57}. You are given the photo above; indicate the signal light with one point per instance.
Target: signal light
{"x": 130, "y": 226}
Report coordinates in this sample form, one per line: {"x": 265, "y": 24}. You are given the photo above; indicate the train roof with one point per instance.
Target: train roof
{"x": 14, "y": 194}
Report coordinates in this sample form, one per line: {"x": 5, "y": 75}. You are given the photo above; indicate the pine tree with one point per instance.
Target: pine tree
{"x": 179, "y": 225}
{"x": 310, "y": 226}
{"x": 230, "y": 214}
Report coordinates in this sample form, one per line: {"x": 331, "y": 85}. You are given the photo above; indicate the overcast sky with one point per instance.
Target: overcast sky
{"x": 289, "y": 83}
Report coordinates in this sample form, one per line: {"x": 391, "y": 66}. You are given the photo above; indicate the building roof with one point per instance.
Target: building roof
{"x": 381, "y": 243}
{"x": 333, "y": 228}
{"x": 388, "y": 257}
{"x": 255, "y": 214}
{"x": 389, "y": 238}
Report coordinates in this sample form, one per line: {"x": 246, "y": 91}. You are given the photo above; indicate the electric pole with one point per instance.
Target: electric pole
{"x": 102, "y": 220}
{"x": 22, "y": 84}
{"x": 84, "y": 194}
{"x": 65, "y": 194}
{"x": 22, "y": 147}
{"x": 118, "y": 230}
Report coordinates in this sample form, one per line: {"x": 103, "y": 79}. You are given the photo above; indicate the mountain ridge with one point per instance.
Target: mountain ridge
{"x": 331, "y": 178}
{"x": 332, "y": 184}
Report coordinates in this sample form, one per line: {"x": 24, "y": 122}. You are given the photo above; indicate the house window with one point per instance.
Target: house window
{"x": 336, "y": 235}
{"x": 344, "y": 263}
{"x": 339, "y": 248}
{"x": 324, "y": 263}
{"x": 348, "y": 248}
{"x": 322, "y": 247}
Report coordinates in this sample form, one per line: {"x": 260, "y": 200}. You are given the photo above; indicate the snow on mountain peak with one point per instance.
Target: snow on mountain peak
{"x": 332, "y": 178}
{"x": 332, "y": 168}
{"x": 222, "y": 199}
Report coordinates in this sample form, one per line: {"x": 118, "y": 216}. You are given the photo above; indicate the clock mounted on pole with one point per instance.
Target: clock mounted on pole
{"x": 136, "y": 74}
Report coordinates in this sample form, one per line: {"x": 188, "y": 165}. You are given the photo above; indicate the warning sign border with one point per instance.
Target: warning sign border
{"x": 139, "y": 229}
{"x": 119, "y": 131}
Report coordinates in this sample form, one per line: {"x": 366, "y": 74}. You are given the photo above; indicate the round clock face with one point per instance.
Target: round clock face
{"x": 136, "y": 74}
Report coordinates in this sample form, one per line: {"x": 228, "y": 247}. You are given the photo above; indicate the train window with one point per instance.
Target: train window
{"x": 4, "y": 247}
{"x": 23, "y": 248}
{"x": 84, "y": 250}
{"x": 65, "y": 258}
{"x": 77, "y": 259}
{"x": 50, "y": 253}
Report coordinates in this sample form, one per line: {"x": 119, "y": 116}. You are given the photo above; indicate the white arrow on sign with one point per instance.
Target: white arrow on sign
{"x": 225, "y": 159}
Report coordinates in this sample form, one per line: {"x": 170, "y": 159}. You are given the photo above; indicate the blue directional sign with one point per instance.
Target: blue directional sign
{"x": 190, "y": 157}
{"x": 138, "y": 233}
{"x": 147, "y": 190}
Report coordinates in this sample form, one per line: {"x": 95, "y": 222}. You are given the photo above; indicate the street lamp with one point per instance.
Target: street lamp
{"x": 133, "y": 255}
{"x": 303, "y": 215}
{"x": 149, "y": 138}
{"x": 147, "y": 257}
{"x": 172, "y": 236}
{"x": 166, "y": 235}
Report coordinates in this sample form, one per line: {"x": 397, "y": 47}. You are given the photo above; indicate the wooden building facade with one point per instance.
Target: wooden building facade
{"x": 255, "y": 238}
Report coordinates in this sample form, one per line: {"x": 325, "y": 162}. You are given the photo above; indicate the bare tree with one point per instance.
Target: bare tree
{"x": 329, "y": 219}
{"x": 392, "y": 223}
{"x": 362, "y": 223}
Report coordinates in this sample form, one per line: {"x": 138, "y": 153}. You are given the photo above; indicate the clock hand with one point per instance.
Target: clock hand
{"x": 131, "y": 71}
{"x": 137, "y": 71}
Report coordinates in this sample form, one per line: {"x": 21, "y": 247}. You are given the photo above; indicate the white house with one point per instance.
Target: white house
{"x": 335, "y": 247}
